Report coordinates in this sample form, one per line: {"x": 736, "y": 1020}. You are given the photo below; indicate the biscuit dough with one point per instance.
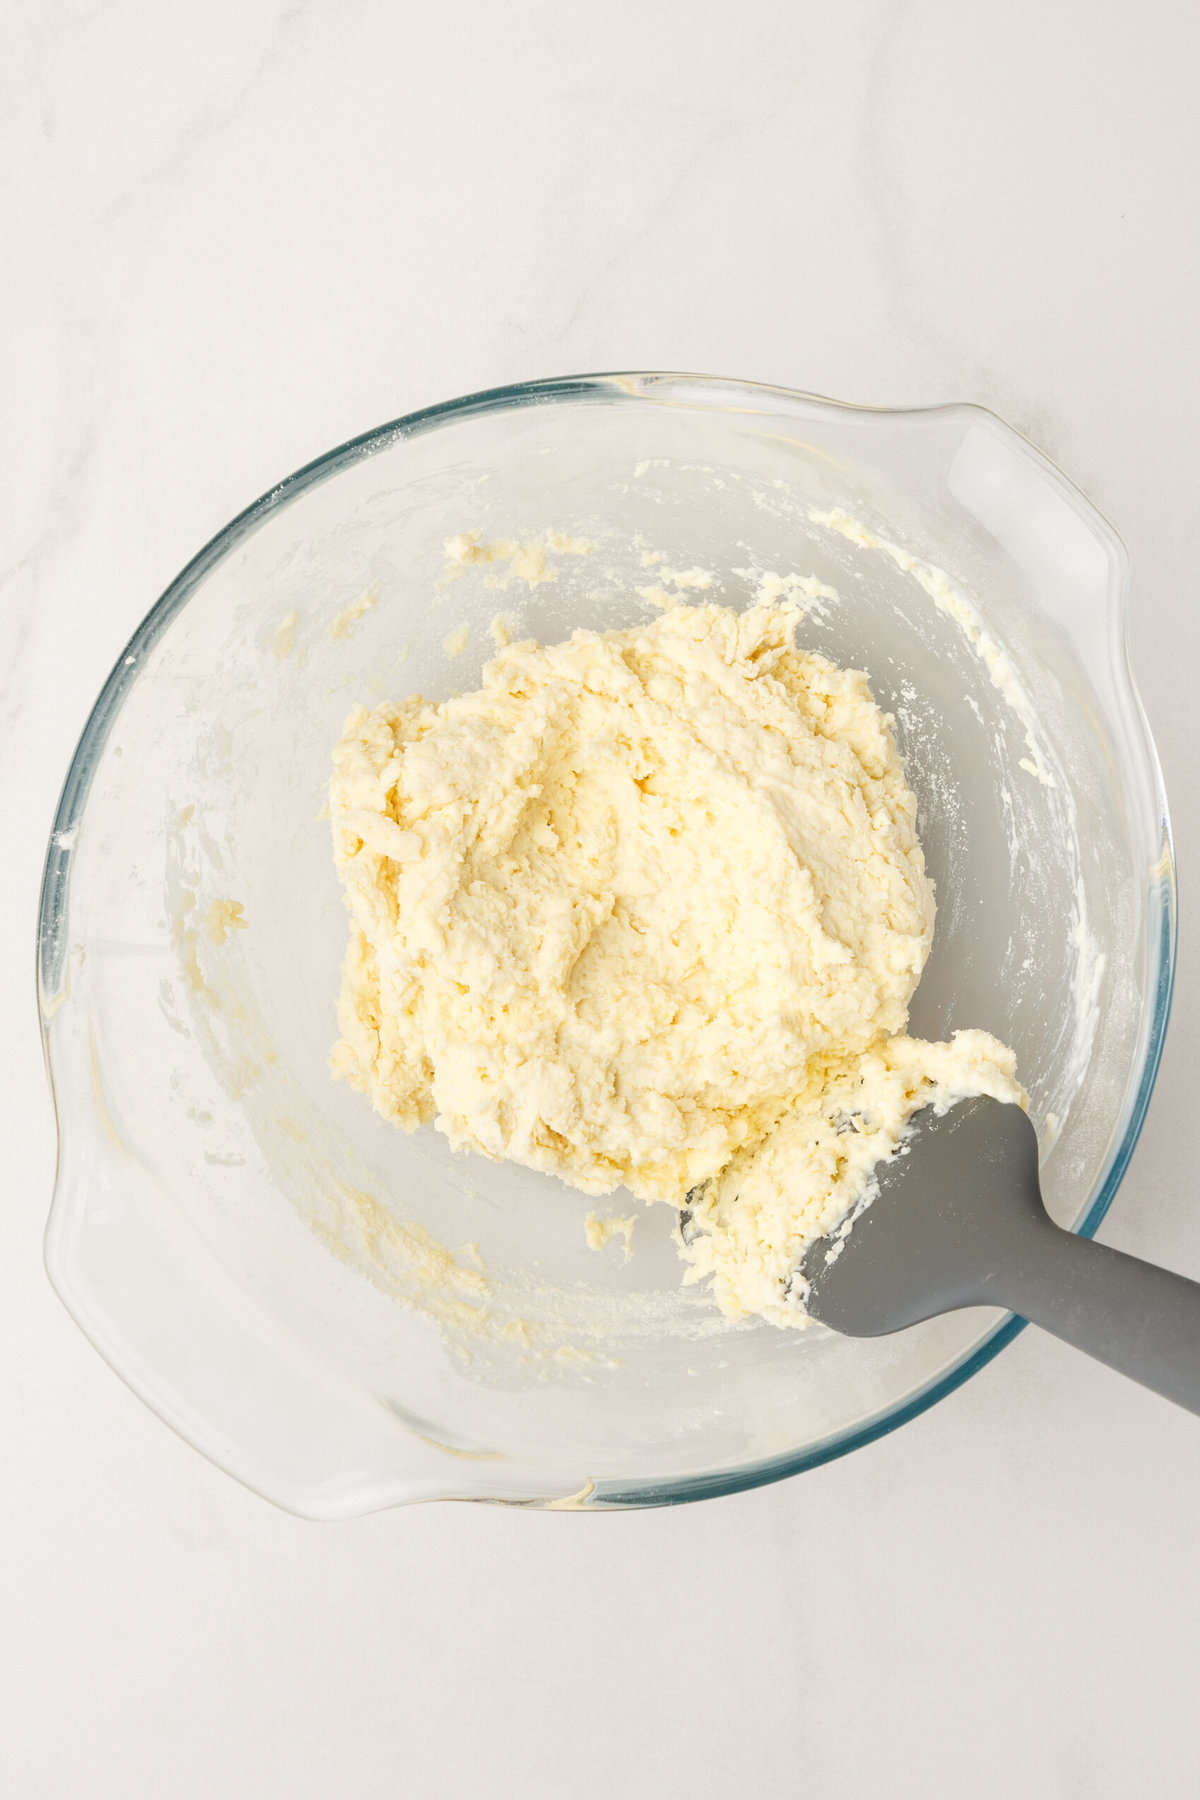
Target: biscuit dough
{"x": 648, "y": 910}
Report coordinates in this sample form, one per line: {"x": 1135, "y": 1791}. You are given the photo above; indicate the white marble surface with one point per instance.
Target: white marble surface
{"x": 237, "y": 234}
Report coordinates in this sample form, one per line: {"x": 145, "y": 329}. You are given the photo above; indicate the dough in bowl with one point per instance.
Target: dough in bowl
{"x": 648, "y": 910}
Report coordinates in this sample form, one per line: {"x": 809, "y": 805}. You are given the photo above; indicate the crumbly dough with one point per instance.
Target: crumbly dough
{"x": 648, "y": 909}
{"x": 528, "y": 561}
{"x": 225, "y": 916}
{"x": 600, "y": 1231}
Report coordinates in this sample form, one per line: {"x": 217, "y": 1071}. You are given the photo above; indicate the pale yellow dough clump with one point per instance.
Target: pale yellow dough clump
{"x": 648, "y": 909}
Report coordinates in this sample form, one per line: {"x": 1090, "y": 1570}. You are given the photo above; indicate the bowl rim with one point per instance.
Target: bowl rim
{"x": 621, "y": 387}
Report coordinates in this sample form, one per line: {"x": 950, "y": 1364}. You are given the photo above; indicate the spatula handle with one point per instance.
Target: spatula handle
{"x": 1132, "y": 1315}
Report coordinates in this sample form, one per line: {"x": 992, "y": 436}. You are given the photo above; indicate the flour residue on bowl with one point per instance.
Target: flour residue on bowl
{"x": 1037, "y": 762}
{"x": 951, "y": 601}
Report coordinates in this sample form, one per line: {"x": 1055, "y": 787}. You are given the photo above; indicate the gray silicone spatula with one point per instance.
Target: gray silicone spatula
{"x": 959, "y": 1221}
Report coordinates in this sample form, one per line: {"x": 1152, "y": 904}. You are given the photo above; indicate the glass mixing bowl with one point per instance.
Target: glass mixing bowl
{"x": 347, "y": 1317}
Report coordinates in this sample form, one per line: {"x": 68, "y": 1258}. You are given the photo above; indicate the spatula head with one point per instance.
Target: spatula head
{"x": 952, "y": 1211}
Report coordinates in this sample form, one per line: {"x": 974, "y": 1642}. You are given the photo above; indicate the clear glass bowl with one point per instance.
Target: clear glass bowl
{"x": 346, "y": 1317}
